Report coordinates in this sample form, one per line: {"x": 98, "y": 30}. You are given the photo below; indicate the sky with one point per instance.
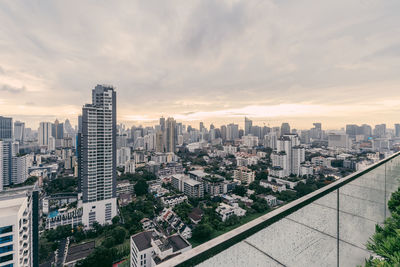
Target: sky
{"x": 334, "y": 62}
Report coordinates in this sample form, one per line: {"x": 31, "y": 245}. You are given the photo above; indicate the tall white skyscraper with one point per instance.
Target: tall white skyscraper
{"x": 44, "y": 133}
{"x": 98, "y": 157}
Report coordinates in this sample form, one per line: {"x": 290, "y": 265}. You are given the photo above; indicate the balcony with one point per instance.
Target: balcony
{"x": 329, "y": 227}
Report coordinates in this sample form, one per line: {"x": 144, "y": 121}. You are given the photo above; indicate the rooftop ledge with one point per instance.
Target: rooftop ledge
{"x": 224, "y": 241}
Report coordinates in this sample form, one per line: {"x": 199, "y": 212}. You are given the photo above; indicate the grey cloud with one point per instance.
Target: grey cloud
{"x": 12, "y": 89}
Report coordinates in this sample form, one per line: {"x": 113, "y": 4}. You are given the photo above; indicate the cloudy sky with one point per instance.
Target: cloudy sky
{"x": 298, "y": 61}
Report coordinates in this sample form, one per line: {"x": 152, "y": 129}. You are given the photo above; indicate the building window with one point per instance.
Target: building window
{"x": 6, "y": 249}
{"x": 6, "y": 239}
{"x": 6, "y": 258}
{"x": 5, "y": 229}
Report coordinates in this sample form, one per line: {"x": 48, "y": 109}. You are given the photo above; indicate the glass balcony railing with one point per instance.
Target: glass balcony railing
{"x": 329, "y": 227}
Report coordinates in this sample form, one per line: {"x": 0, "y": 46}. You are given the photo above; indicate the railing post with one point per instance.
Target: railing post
{"x": 384, "y": 203}
{"x": 337, "y": 225}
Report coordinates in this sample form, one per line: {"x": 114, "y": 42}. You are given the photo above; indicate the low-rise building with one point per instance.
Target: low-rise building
{"x": 244, "y": 175}
{"x": 276, "y": 187}
{"x": 272, "y": 200}
{"x": 71, "y": 217}
{"x": 171, "y": 201}
{"x": 188, "y": 186}
{"x": 225, "y": 211}
{"x": 150, "y": 248}
{"x": 124, "y": 187}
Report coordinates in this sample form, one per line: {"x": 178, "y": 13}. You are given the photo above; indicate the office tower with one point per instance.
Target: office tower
{"x": 247, "y": 126}
{"x": 316, "y": 132}
{"x": 98, "y": 157}
{"x": 223, "y": 132}
{"x": 232, "y": 132}
{"x": 44, "y": 133}
{"x": 256, "y": 131}
{"x": 19, "y": 131}
{"x": 201, "y": 126}
{"x": 19, "y": 227}
{"x": 212, "y": 126}
{"x": 68, "y": 128}
{"x": 57, "y": 130}
{"x": 366, "y": 130}
{"x": 285, "y": 128}
{"x": 351, "y": 130}
{"x": 6, "y": 128}
{"x": 380, "y": 130}
{"x": 339, "y": 141}
{"x": 162, "y": 124}
{"x": 397, "y": 130}
{"x": 170, "y": 135}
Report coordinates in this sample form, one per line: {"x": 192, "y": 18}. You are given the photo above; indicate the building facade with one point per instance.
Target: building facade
{"x": 98, "y": 157}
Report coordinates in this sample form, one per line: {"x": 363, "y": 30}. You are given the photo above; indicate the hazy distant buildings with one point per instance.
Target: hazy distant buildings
{"x": 98, "y": 160}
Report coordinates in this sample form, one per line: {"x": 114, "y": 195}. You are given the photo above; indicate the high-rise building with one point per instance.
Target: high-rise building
{"x": 6, "y": 128}
{"x": 232, "y": 132}
{"x": 45, "y": 133}
{"x": 57, "y": 130}
{"x": 98, "y": 157}
{"x": 223, "y": 132}
{"x": 19, "y": 227}
{"x": 9, "y": 150}
{"x": 380, "y": 130}
{"x": 316, "y": 132}
{"x": 397, "y": 129}
{"x": 201, "y": 126}
{"x": 288, "y": 155}
{"x": 170, "y": 135}
{"x": 162, "y": 124}
{"x": 247, "y": 126}
{"x": 285, "y": 128}
{"x": 19, "y": 131}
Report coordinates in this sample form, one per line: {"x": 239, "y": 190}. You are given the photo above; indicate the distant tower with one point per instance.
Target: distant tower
{"x": 247, "y": 126}
{"x": 171, "y": 135}
{"x": 98, "y": 157}
{"x": 285, "y": 128}
{"x": 19, "y": 131}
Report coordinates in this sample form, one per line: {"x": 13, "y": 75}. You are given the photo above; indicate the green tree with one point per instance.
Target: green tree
{"x": 202, "y": 232}
{"x": 141, "y": 188}
{"x": 115, "y": 220}
{"x": 119, "y": 234}
{"x": 394, "y": 201}
{"x": 240, "y": 190}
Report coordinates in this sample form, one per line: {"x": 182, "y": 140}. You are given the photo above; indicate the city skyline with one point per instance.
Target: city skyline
{"x": 269, "y": 61}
